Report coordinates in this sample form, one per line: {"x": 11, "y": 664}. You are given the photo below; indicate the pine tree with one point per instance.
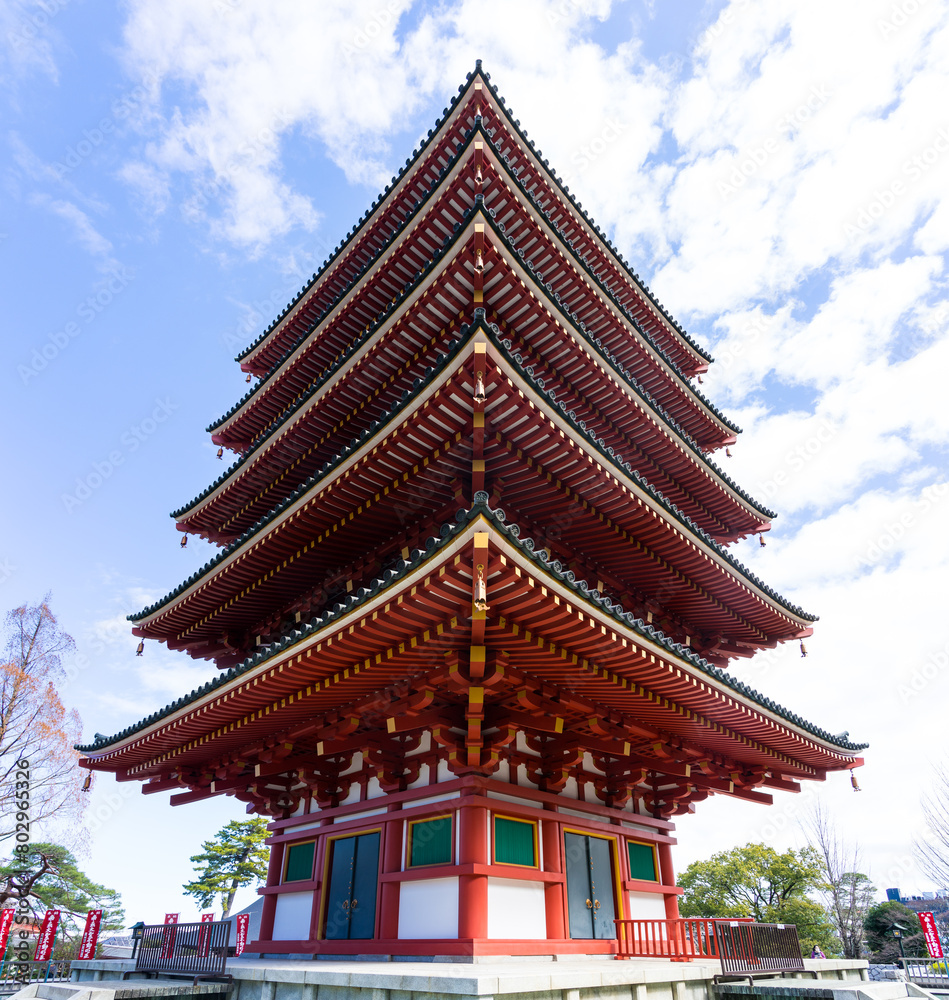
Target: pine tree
{"x": 235, "y": 858}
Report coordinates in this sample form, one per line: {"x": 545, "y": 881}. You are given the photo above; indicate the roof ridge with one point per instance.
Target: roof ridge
{"x": 448, "y": 530}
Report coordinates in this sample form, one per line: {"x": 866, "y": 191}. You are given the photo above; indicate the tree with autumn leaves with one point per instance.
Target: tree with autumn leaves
{"x": 41, "y": 784}
{"x": 35, "y": 725}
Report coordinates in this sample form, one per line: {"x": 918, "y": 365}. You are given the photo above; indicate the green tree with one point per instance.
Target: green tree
{"x": 879, "y": 923}
{"x": 47, "y": 876}
{"x": 235, "y": 858}
{"x": 756, "y": 881}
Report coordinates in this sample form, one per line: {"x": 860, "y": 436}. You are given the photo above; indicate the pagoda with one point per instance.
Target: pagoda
{"x": 474, "y": 606}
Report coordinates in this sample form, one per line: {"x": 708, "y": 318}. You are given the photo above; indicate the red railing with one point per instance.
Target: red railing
{"x": 680, "y": 940}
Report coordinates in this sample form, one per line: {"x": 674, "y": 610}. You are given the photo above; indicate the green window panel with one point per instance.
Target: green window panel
{"x": 431, "y": 842}
{"x": 300, "y": 862}
{"x": 514, "y": 842}
{"x": 642, "y": 862}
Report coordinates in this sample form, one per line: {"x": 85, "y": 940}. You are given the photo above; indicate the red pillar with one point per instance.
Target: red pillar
{"x": 473, "y": 889}
{"x": 667, "y": 877}
{"x": 553, "y": 891}
{"x": 274, "y": 872}
{"x": 391, "y": 862}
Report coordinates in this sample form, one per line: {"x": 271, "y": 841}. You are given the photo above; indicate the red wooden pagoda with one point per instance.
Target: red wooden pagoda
{"x": 474, "y": 600}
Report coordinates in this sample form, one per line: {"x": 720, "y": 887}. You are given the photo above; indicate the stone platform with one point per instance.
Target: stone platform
{"x": 519, "y": 979}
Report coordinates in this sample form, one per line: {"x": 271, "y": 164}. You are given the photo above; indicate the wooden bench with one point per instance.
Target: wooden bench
{"x": 196, "y": 951}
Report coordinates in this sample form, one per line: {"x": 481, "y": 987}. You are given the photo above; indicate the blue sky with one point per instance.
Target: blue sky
{"x": 174, "y": 171}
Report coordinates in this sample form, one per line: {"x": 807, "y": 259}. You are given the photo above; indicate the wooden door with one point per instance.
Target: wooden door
{"x": 589, "y": 868}
{"x": 351, "y": 894}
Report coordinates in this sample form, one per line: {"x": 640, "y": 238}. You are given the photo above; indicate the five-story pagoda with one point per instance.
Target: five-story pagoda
{"x": 474, "y": 601}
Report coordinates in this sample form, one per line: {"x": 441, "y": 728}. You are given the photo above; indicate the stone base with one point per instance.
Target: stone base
{"x": 569, "y": 978}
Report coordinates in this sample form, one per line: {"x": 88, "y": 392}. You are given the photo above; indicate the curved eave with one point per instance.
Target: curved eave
{"x": 408, "y": 300}
{"x": 409, "y": 573}
{"x": 370, "y": 439}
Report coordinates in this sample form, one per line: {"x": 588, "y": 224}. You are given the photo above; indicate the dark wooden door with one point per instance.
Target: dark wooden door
{"x": 589, "y": 867}
{"x": 351, "y": 895}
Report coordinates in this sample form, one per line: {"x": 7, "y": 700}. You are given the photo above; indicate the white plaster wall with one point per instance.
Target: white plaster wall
{"x": 570, "y": 789}
{"x": 292, "y": 919}
{"x": 646, "y": 906}
{"x": 516, "y": 909}
{"x": 428, "y": 909}
{"x": 373, "y": 788}
{"x": 444, "y": 773}
{"x": 425, "y": 744}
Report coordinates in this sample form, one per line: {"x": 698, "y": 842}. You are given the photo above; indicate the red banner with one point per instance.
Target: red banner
{"x": 242, "y": 920}
{"x": 928, "y": 923}
{"x": 6, "y": 922}
{"x": 44, "y": 943}
{"x": 87, "y": 948}
{"x": 204, "y": 936}
{"x": 168, "y": 945}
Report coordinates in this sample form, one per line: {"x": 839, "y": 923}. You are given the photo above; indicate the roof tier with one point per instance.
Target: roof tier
{"x": 558, "y": 661}
{"x": 372, "y": 375}
{"x": 551, "y": 474}
{"x": 478, "y": 98}
{"x": 424, "y": 245}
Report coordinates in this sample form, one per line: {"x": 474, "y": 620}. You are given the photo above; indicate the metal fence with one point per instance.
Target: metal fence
{"x": 184, "y": 949}
{"x": 15, "y": 975}
{"x": 926, "y": 972}
{"x": 747, "y": 948}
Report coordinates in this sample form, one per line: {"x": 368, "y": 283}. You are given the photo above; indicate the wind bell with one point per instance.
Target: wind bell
{"x": 479, "y": 393}
{"x": 220, "y": 453}
{"x": 184, "y": 541}
{"x": 481, "y": 590}
{"x": 761, "y": 541}
{"x": 803, "y": 649}
{"x": 853, "y": 781}
{"x": 479, "y": 261}
{"x": 140, "y": 648}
